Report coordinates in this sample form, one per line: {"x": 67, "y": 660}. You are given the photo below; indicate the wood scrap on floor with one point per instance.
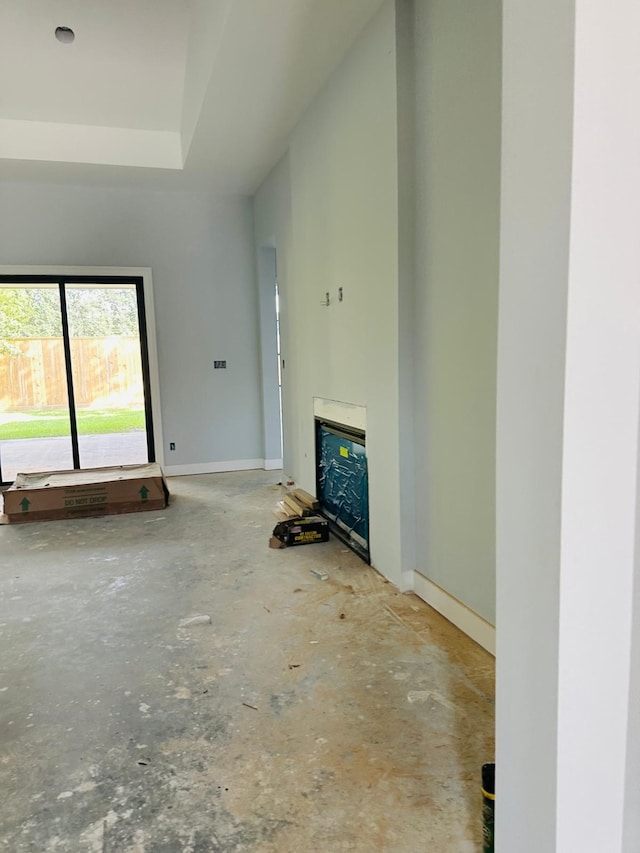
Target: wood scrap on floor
{"x": 296, "y": 503}
{"x": 282, "y": 512}
{"x": 298, "y": 509}
{"x": 306, "y": 499}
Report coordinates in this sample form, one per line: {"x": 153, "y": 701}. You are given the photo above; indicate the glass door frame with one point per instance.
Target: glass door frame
{"x": 97, "y": 280}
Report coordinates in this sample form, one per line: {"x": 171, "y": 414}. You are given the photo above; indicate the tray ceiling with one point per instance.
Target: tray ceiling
{"x": 206, "y": 88}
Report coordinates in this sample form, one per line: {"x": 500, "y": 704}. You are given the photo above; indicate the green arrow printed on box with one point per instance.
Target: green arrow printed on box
{"x": 24, "y": 503}
{"x": 144, "y": 493}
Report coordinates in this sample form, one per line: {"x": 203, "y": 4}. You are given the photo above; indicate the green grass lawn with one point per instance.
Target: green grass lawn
{"x": 90, "y": 422}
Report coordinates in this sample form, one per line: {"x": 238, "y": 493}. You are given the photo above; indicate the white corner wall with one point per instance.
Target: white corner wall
{"x": 568, "y": 731}
{"x": 457, "y": 45}
{"x": 201, "y": 253}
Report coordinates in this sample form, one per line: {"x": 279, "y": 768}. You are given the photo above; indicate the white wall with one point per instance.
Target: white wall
{"x": 344, "y": 233}
{"x": 632, "y": 781}
{"x": 600, "y": 460}
{"x": 406, "y": 176}
{"x": 568, "y": 730}
{"x": 536, "y": 193}
{"x": 201, "y": 253}
{"x": 457, "y": 46}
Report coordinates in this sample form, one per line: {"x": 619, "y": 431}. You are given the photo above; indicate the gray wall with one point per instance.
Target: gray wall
{"x": 331, "y": 208}
{"x": 457, "y": 185}
{"x": 201, "y": 252}
{"x": 391, "y": 190}
{"x": 536, "y": 212}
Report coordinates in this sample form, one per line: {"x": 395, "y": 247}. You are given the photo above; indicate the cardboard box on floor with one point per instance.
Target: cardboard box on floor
{"x": 95, "y": 491}
{"x": 300, "y": 531}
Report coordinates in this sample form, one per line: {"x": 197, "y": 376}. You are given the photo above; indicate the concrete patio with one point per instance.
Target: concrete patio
{"x": 28, "y": 455}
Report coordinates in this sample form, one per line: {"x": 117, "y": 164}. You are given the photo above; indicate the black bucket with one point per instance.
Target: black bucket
{"x": 488, "y": 806}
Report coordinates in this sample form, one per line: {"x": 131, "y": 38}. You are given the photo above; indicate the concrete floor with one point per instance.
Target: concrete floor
{"x": 308, "y": 716}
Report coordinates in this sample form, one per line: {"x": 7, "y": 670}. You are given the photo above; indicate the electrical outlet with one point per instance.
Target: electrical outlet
{"x": 172, "y": 445}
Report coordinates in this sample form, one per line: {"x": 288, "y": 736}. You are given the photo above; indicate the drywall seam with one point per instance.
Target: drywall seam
{"x": 473, "y": 625}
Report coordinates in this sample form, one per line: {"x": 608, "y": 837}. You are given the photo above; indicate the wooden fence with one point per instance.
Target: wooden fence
{"x": 107, "y": 373}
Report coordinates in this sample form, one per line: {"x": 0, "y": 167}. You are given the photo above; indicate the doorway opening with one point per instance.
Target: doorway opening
{"x": 74, "y": 374}
{"x": 272, "y": 365}
{"x": 279, "y": 358}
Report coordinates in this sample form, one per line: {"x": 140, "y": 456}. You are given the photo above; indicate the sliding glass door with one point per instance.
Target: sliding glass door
{"x": 35, "y": 425}
{"x": 106, "y": 367}
{"x": 74, "y": 376}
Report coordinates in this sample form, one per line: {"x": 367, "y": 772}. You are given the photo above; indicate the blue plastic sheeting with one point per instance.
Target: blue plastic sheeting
{"x": 343, "y": 482}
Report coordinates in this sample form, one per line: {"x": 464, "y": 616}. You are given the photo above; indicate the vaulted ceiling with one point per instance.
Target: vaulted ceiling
{"x": 171, "y": 92}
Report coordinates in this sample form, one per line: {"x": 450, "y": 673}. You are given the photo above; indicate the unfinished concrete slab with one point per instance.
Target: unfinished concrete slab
{"x": 297, "y": 715}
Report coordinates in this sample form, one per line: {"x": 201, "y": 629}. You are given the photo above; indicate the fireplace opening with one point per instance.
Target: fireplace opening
{"x": 342, "y": 483}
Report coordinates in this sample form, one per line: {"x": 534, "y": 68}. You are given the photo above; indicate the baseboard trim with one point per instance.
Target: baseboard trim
{"x": 407, "y": 581}
{"x": 214, "y": 467}
{"x": 473, "y": 625}
{"x": 272, "y": 464}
